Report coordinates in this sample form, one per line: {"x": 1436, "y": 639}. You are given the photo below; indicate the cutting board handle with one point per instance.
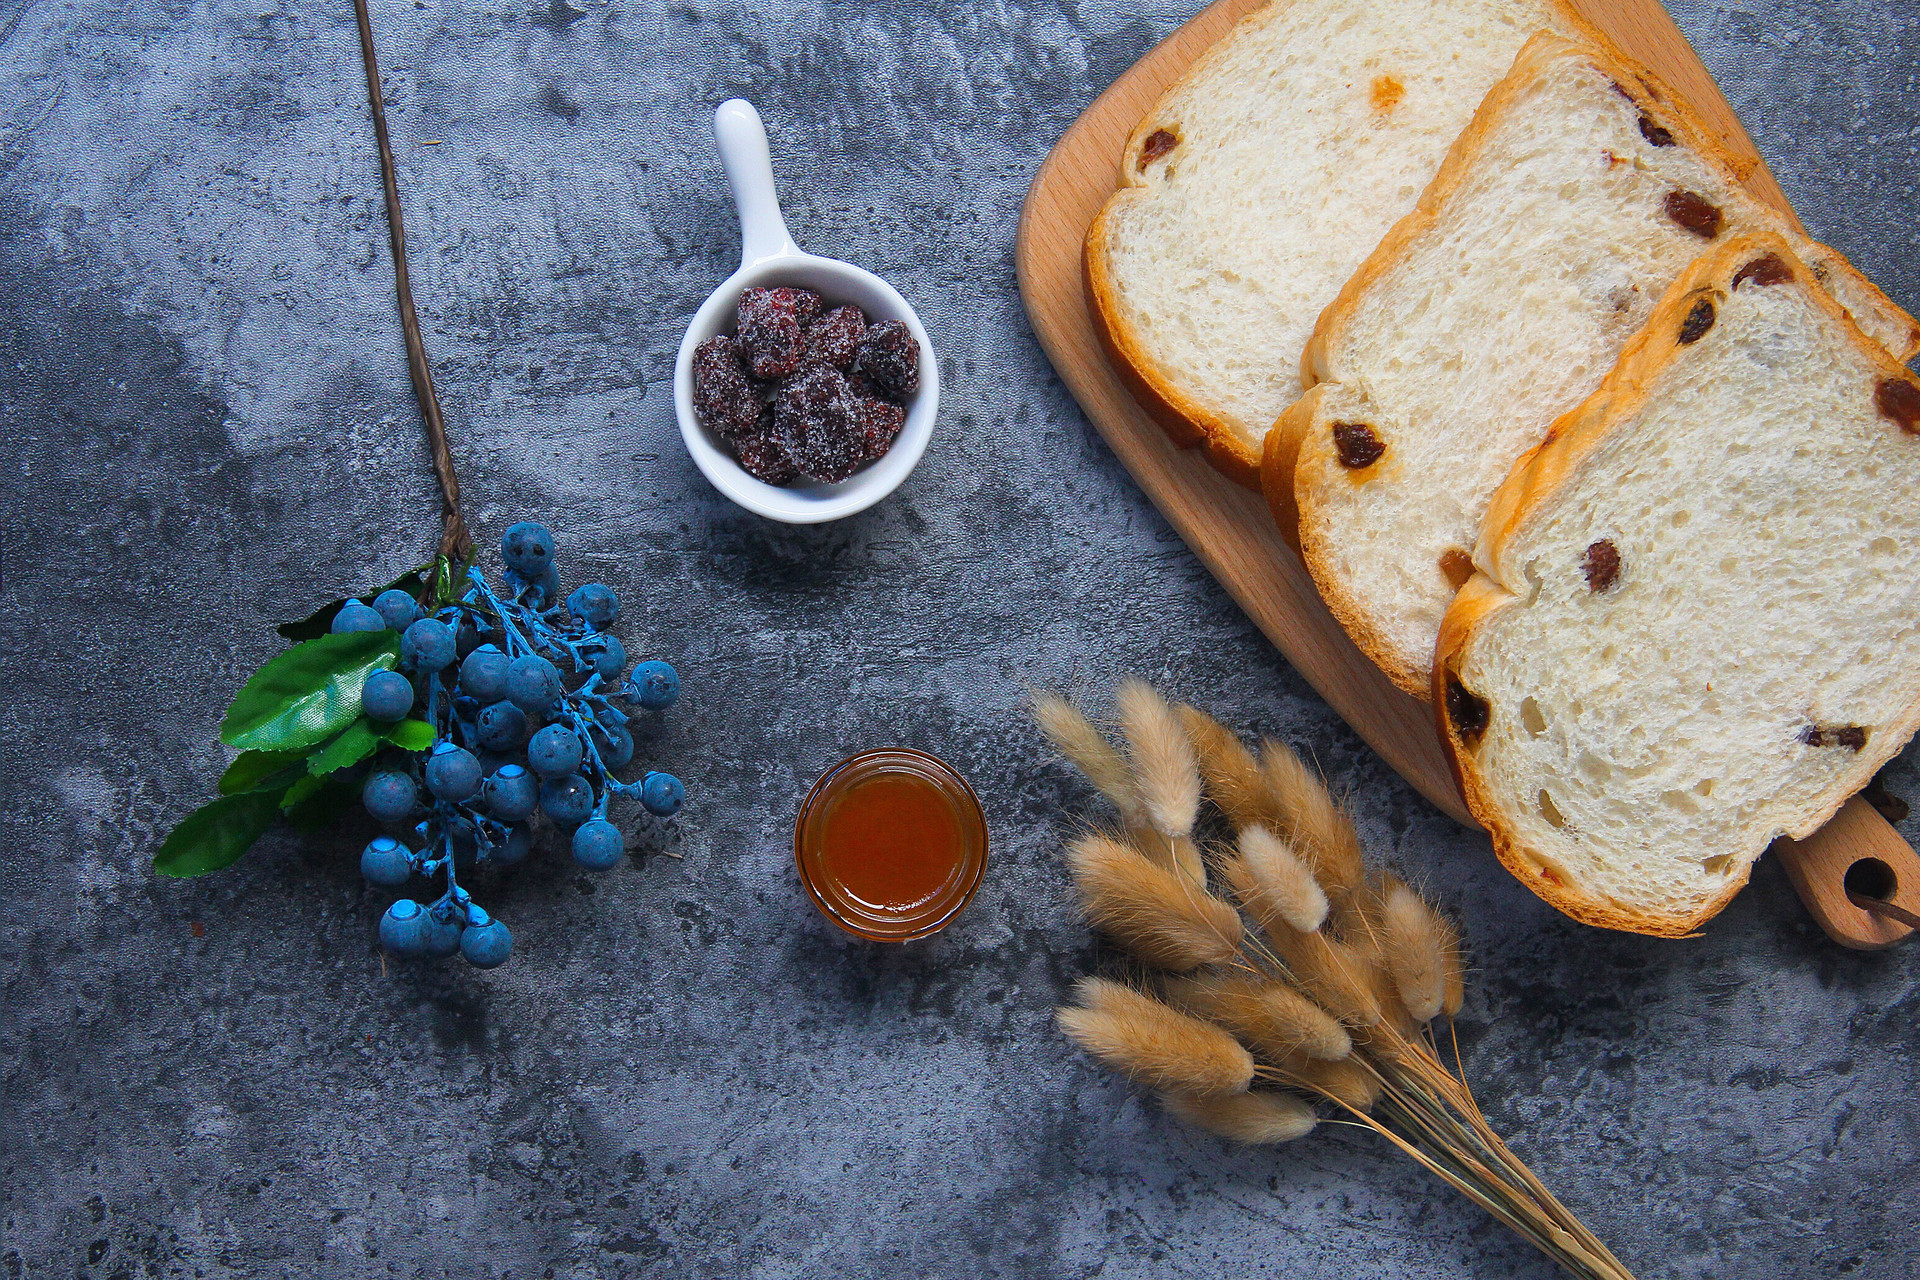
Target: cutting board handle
{"x": 1860, "y": 851}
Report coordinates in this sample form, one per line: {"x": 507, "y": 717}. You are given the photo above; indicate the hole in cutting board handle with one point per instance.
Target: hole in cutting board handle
{"x": 1871, "y": 878}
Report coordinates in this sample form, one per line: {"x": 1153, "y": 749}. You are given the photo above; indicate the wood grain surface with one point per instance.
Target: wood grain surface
{"x": 1228, "y": 527}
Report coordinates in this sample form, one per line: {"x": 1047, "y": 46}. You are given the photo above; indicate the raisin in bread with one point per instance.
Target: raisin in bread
{"x": 1695, "y": 624}
{"x": 1578, "y": 194}
{"x": 1261, "y": 179}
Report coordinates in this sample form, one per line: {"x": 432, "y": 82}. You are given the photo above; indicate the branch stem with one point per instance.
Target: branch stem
{"x": 456, "y": 544}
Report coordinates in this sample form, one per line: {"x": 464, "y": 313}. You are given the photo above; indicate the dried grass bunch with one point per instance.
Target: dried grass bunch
{"x": 1293, "y": 985}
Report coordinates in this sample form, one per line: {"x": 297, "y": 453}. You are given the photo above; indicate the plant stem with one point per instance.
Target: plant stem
{"x": 456, "y": 544}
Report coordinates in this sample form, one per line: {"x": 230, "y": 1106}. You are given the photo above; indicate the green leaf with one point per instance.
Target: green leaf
{"x": 410, "y": 735}
{"x": 316, "y": 623}
{"x": 309, "y": 693}
{"x": 355, "y": 743}
{"x": 254, "y": 770}
{"x": 215, "y": 835}
{"x": 322, "y": 800}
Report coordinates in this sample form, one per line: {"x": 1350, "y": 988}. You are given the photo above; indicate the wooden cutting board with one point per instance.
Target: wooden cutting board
{"x": 1228, "y": 526}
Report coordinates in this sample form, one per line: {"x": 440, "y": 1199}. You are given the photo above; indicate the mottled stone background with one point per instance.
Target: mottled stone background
{"x": 685, "y": 1072}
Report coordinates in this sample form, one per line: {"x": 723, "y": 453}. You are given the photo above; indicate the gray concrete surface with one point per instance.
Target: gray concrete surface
{"x": 685, "y": 1072}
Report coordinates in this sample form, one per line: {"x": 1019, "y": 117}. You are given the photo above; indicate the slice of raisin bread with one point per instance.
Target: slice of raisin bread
{"x": 1695, "y": 624}
{"x": 1261, "y": 179}
{"x": 1578, "y": 194}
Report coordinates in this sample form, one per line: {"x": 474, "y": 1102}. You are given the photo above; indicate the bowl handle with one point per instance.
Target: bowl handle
{"x": 743, "y": 154}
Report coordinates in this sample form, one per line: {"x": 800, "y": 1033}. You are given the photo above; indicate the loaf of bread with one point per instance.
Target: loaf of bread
{"x": 1695, "y": 621}
{"x": 1577, "y": 195}
{"x": 1261, "y": 179}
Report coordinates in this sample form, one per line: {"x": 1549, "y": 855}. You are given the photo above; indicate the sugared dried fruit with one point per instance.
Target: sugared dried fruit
{"x": 766, "y": 455}
{"x": 880, "y": 424}
{"x": 772, "y": 326}
{"x": 889, "y": 358}
{"x": 727, "y": 402}
{"x": 835, "y": 336}
{"x": 819, "y": 412}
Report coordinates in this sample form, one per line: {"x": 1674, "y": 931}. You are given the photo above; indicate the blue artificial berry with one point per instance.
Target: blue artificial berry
{"x": 655, "y": 685}
{"x": 611, "y": 660}
{"x": 568, "y": 801}
{"x": 387, "y": 695}
{"x": 555, "y": 751}
{"x": 390, "y": 796}
{"x": 444, "y": 928}
{"x": 527, "y": 547}
{"x": 427, "y": 645}
{"x": 501, "y": 726}
{"x": 598, "y": 844}
{"x": 614, "y": 743}
{"x": 483, "y": 676}
{"x": 594, "y": 604}
{"x": 467, "y": 637}
{"x": 452, "y": 773}
{"x": 403, "y": 929}
{"x": 354, "y": 616}
{"x": 396, "y": 608}
{"x": 533, "y": 683}
{"x": 515, "y": 848}
{"x": 539, "y": 593}
{"x": 511, "y": 793}
{"x": 662, "y": 794}
{"x": 386, "y": 861}
{"x": 486, "y": 945}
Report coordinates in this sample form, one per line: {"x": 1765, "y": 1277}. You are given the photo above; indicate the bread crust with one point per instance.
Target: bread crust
{"x": 1313, "y": 470}
{"x": 1536, "y": 479}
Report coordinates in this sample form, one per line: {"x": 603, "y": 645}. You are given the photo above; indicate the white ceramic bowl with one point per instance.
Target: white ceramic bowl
{"x": 769, "y": 257}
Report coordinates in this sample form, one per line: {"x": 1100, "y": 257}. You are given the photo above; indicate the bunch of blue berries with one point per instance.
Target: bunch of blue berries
{"x": 520, "y": 688}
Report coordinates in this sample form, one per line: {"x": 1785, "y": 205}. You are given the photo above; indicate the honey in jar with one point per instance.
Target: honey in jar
{"x": 891, "y": 844}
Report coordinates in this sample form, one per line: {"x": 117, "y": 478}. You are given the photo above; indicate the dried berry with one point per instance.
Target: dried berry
{"x": 1695, "y": 213}
{"x": 1356, "y": 444}
{"x": 1456, "y": 566}
{"x": 766, "y": 455}
{"x": 729, "y": 405}
{"x": 819, "y": 411}
{"x": 1653, "y": 132}
{"x": 1467, "y": 711}
{"x": 772, "y": 328}
{"x": 1764, "y": 270}
{"x": 1158, "y": 143}
{"x": 1851, "y": 736}
{"x": 889, "y": 358}
{"x": 1899, "y": 401}
{"x": 1601, "y": 564}
{"x": 1699, "y": 319}
{"x": 835, "y": 336}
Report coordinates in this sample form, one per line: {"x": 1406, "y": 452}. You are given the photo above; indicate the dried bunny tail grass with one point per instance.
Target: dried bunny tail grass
{"x": 1414, "y": 942}
{"x": 1313, "y": 821}
{"x": 1282, "y": 885}
{"x": 1078, "y": 740}
{"x": 1340, "y": 978}
{"x": 1259, "y": 1118}
{"x": 1272, "y": 1017}
{"x": 1348, "y": 1082}
{"x": 1453, "y": 986}
{"x": 1178, "y": 854}
{"x": 1154, "y": 1044}
{"x": 1165, "y": 774}
{"x": 1151, "y": 910}
{"x": 1232, "y": 775}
